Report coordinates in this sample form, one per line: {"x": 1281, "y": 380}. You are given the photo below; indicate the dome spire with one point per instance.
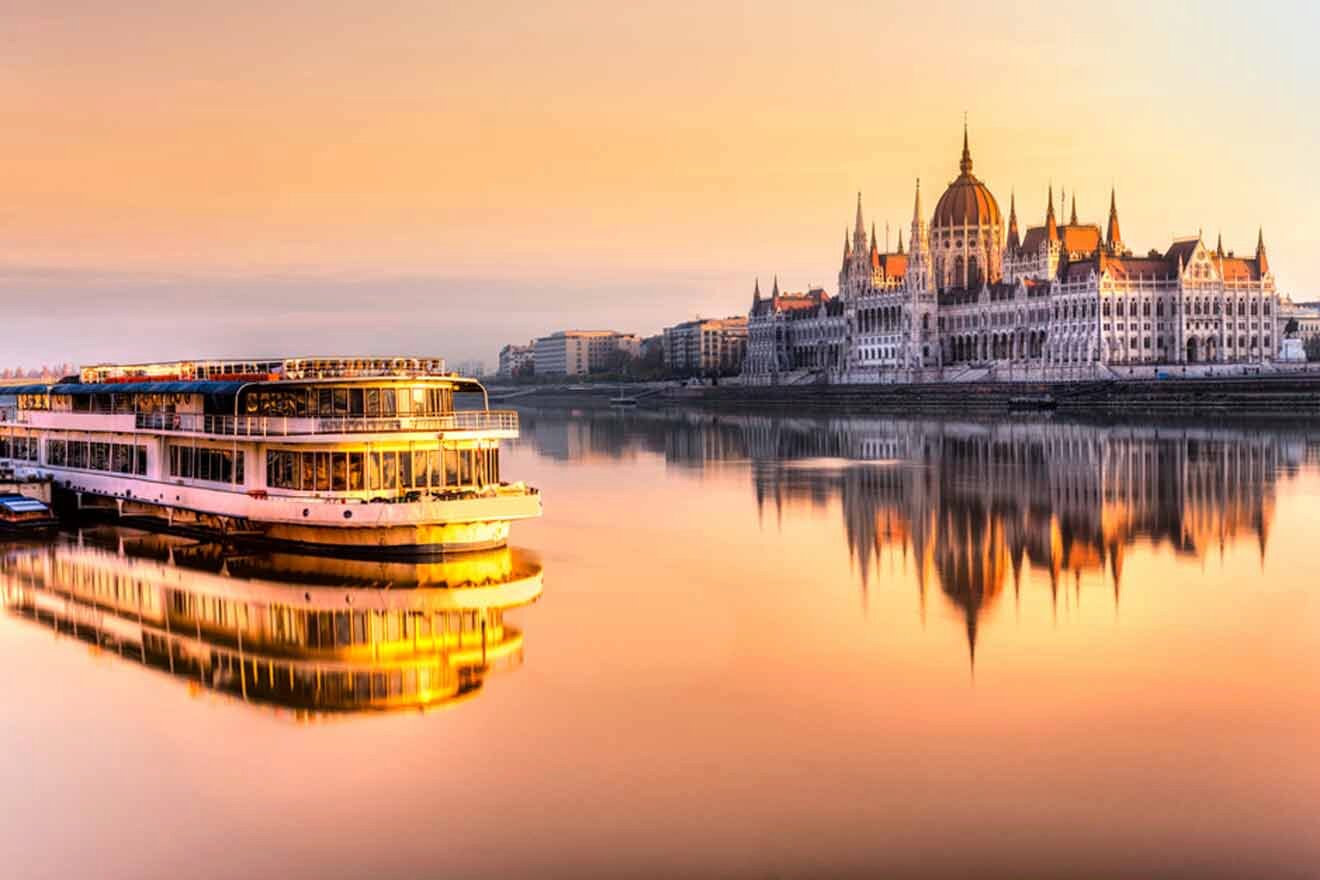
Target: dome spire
{"x": 965, "y": 165}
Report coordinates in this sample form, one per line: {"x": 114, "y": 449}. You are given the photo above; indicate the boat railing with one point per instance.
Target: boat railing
{"x": 502, "y": 421}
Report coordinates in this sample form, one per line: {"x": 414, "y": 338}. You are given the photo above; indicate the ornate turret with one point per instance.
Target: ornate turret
{"x": 859, "y": 231}
{"x": 965, "y": 164}
{"x": 1072, "y": 221}
{"x": 900, "y": 241}
{"x": 1114, "y": 239}
{"x": 875, "y": 251}
{"x": 756, "y": 292}
{"x": 774, "y": 293}
{"x": 1219, "y": 246}
{"x": 1013, "y": 241}
{"x": 1051, "y": 225}
{"x": 1262, "y": 261}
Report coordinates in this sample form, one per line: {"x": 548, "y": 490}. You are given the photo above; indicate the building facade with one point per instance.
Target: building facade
{"x": 706, "y": 346}
{"x": 517, "y": 359}
{"x": 974, "y": 298}
{"x": 578, "y": 352}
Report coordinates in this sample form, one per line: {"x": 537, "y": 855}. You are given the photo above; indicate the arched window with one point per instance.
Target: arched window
{"x": 957, "y": 271}
{"x": 973, "y": 273}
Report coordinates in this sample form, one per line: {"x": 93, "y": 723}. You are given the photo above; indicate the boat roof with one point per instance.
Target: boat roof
{"x": 202, "y": 387}
{"x": 22, "y": 504}
{"x": 220, "y": 387}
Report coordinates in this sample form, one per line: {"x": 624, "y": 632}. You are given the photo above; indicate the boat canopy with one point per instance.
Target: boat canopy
{"x": 22, "y": 504}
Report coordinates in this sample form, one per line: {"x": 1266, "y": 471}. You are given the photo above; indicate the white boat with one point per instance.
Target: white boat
{"x": 351, "y": 454}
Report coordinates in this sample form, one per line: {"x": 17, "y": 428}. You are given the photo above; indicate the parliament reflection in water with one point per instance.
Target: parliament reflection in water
{"x": 973, "y": 504}
{"x": 312, "y": 635}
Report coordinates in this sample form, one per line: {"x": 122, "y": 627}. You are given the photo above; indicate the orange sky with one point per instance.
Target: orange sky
{"x": 592, "y": 163}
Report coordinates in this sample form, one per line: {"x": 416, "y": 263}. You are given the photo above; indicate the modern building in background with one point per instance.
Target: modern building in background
{"x": 973, "y": 298}
{"x": 515, "y": 359}
{"x": 578, "y": 352}
{"x": 706, "y": 346}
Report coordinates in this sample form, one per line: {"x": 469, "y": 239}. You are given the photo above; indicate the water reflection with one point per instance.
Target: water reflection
{"x": 967, "y": 506}
{"x": 310, "y": 634}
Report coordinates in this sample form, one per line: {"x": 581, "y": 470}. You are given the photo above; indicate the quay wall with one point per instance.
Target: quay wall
{"x": 1262, "y": 397}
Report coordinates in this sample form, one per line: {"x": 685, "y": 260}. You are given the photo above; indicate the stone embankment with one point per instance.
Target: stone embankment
{"x": 1274, "y": 397}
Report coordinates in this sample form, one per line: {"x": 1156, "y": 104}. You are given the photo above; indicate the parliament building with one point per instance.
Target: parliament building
{"x": 974, "y": 297}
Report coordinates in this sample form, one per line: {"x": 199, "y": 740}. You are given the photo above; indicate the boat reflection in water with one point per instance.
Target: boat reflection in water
{"x": 311, "y": 634}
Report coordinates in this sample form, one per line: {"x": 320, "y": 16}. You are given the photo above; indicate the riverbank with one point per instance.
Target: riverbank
{"x": 1272, "y": 397}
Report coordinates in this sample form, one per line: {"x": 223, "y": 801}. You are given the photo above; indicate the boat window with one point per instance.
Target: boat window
{"x": 421, "y": 469}
{"x": 356, "y": 404}
{"x": 373, "y": 402}
{"x": 373, "y": 469}
{"x": 419, "y": 404}
{"x": 387, "y": 407}
{"x": 389, "y": 472}
{"x": 325, "y": 399}
{"x": 355, "y": 472}
{"x": 404, "y": 400}
{"x": 405, "y": 470}
{"x": 451, "y": 467}
{"x": 437, "y": 470}
{"x": 322, "y": 471}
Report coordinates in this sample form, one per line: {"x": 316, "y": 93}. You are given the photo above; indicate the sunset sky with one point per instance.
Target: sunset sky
{"x": 446, "y": 177}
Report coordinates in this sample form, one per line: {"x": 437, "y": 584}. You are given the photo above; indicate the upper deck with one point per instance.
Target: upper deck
{"x": 296, "y": 398}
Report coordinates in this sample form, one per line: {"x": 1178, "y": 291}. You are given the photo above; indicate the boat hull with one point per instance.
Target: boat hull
{"x": 421, "y": 528}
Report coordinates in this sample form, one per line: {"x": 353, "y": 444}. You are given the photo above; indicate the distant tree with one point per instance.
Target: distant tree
{"x": 618, "y": 362}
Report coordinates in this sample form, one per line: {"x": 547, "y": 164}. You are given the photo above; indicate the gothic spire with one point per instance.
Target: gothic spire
{"x": 1262, "y": 262}
{"x": 1114, "y": 239}
{"x": 900, "y": 239}
{"x": 1051, "y": 225}
{"x": 873, "y": 247}
{"x": 774, "y": 294}
{"x": 965, "y": 166}
{"x": 756, "y": 292}
{"x": 916, "y": 207}
{"x": 1073, "y": 221}
{"x": 1013, "y": 241}
{"x": 1219, "y": 246}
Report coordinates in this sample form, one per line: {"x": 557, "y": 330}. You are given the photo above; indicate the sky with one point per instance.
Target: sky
{"x": 443, "y": 178}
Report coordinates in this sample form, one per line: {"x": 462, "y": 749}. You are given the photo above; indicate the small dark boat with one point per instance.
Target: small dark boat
{"x": 1031, "y": 402}
{"x": 19, "y": 513}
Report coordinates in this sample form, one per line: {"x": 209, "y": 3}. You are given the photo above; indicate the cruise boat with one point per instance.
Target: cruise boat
{"x": 347, "y": 454}
{"x": 314, "y": 636}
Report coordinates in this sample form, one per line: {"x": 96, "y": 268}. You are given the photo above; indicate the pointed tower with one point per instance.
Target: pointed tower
{"x": 756, "y": 293}
{"x": 919, "y": 260}
{"x": 859, "y": 231}
{"x": 900, "y": 241}
{"x": 1262, "y": 261}
{"x": 875, "y": 251}
{"x": 1219, "y": 246}
{"x": 1072, "y": 221}
{"x": 774, "y": 293}
{"x": 1051, "y": 225}
{"x": 1013, "y": 241}
{"x": 965, "y": 163}
{"x": 1114, "y": 239}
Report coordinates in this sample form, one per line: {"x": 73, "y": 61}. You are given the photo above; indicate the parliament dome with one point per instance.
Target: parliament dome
{"x": 967, "y": 201}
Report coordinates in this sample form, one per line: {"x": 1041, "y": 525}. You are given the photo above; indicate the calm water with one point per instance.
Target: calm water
{"x": 735, "y": 646}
